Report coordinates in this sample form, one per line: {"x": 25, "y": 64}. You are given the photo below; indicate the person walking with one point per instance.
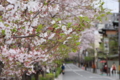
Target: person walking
{"x": 113, "y": 68}
{"x": 94, "y": 67}
{"x": 63, "y": 68}
{"x": 105, "y": 68}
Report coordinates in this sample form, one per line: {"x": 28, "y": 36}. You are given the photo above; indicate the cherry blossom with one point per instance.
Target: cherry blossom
{"x": 39, "y": 31}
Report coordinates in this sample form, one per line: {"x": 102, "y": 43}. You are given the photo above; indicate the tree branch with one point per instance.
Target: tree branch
{"x": 36, "y": 14}
{"x": 33, "y": 35}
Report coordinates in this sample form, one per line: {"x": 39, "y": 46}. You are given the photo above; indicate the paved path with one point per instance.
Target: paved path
{"x": 72, "y": 72}
{"x": 115, "y": 75}
{"x": 60, "y": 77}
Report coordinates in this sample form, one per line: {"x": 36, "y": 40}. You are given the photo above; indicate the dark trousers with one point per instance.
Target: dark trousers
{"x": 94, "y": 70}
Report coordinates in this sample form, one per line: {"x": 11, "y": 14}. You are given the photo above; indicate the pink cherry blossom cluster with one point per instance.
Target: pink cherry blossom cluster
{"x": 87, "y": 38}
{"x": 17, "y": 60}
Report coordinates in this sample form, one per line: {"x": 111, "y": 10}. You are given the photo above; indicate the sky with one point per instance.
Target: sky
{"x": 111, "y": 4}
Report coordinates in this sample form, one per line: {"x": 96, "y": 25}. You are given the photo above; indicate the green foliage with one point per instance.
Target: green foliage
{"x": 63, "y": 50}
{"x": 77, "y": 43}
{"x": 102, "y": 46}
{"x": 62, "y": 34}
{"x": 55, "y": 25}
{"x": 108, "y": 13}
{"x": 99, "y": 18}
{"x": 85, "y": 18}
{"x": 102, "y": 53}
{"x": 6, "y": 25}
{"x": 14, "y": 30}
{"x": 113, "y": 45}
{"x": 58, "y": 71}
{"x": 113, "y": 48}
{"x": 74, "y": 50}
{"x": 88, "y": 58}
{"x": 59, "y": 62}
{"x": 1, "y": 19}
{"x": 39, "y": 28}
{"x": 3, "y": 32}
{"x": 68, "y": 61}
{"x": 69, "y": 24}
{"x": 45, "y": 3}
{"x": 49, "y": 76}
{"x": 58, "y": 19}
{"x": 23, "y": 27}
{"x": 101, "y": 6}
{"x": 33, "y": 78}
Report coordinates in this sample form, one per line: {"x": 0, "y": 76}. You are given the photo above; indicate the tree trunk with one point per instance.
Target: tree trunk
{"x": 37, "y": 76}
{"x": 26, "y": 77}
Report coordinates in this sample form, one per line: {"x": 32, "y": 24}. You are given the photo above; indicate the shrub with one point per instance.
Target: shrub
{"x": 33, "y": 78}
{"x": 58, "y": 71}
{"x": 49, "y": 76}
{"x": 88, "y": 58}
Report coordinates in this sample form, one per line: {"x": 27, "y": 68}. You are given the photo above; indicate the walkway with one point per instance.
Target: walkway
{"x": 72, "y": 72}
{"x": 115, "y": 76}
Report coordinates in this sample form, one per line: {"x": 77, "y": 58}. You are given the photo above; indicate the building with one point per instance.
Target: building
{"x": 109, "y": 30}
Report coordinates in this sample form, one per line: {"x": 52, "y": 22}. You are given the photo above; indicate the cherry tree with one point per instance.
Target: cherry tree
{"x": 88, "y": 39}
{"x": 36, "y": 30}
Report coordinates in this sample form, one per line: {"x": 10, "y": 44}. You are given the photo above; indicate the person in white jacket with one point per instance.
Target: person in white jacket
{"x": 113, "y": 68}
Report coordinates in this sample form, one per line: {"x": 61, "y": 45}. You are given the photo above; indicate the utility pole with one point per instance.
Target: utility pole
{"x": 119, "y": 39}
{"x": 78, "y": 58}
{"x": 95, "y": 49}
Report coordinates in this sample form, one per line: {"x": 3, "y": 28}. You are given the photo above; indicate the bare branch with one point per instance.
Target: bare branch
{"x": 36, "y": 14}
{"x": 24, "y": 36}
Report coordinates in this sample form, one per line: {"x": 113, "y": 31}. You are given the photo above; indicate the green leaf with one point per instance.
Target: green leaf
{"x": 59, "y": 19}
{"x": 14, "y": 30}
{"x": 81, "y": 18}
{"x": 3, "y": 32}
{"x": 76, "y": 37}
{"x": 18, "y": 63}
{"x": 6, "y": 25}
{"x": 77, "y": 43}
{"x": 23, "y": 27}
{"x": 86, "y": 19}
{"x": 39, "y": 28}
{"x": 108, "y": 13}
{"x": 88, "y": 58}
{"x": 45, "y": 3}
{"x": 69, "y": 24}
{"x": 102, "y": 3}
{"x": 31, "y": 12}
{"x": 81, "y": 25}
{"x": 62, "y": 34}
{"x": 16, "y": 21}
{"x": 60, "y": 40}
{"x": 102, "y": 15}
{"x": 74, "y": 50}
{"x": 0, "y": 20}
{"x": 99, "y": 18}
{"x": 55, "y": 26}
